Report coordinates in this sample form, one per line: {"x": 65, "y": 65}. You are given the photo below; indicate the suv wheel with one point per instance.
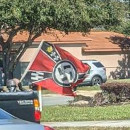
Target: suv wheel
{"x": 96, "y": 81}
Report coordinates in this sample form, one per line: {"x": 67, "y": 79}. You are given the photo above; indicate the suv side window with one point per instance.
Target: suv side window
{"x": 98, "y": 64}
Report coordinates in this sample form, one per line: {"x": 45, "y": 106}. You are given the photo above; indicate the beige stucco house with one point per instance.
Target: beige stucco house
{"x": 112, "y": 49}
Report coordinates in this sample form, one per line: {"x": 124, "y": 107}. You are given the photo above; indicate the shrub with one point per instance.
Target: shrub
{"x": 120, "y": 90}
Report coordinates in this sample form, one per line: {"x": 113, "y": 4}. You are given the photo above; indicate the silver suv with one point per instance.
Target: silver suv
{"x": 96, "y": 75}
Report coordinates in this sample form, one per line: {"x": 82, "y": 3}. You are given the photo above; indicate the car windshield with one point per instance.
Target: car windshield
{"x": 5, "y": 115}
{"x": 98, "y": 64}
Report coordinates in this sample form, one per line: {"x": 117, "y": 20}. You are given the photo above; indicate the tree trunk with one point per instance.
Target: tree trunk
{"x": 6, "y": 71}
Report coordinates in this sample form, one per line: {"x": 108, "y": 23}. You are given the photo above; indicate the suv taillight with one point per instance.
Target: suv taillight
{"x": 36, "y": 103}
{"x": 37, "y": 113}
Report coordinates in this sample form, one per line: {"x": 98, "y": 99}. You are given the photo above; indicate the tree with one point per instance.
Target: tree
{"x": 35, "y": 17}
{"x": 126, "y": 25}
{"x": 128, "y": 3}
{"x": 126, "y": 29}
{"x": 113, "y": 13}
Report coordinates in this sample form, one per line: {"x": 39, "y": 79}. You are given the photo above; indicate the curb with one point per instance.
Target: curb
{"x": 118, "y": 123}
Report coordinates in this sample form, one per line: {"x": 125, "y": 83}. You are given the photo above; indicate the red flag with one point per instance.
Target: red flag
{"x": 55, "y": 69}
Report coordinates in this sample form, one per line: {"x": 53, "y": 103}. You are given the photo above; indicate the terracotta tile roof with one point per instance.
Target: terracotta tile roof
{"x": 95, "y": 41}
{"x": 106, "y": 41}
{"x": 54, "y": 36}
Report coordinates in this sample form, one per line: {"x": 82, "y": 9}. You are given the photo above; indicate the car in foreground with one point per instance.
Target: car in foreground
{"x": 96, "y": 75}
{"x": 9, "y": 122}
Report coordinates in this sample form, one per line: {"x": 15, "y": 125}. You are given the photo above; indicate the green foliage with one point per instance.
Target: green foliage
{"x": 37, "y": 17}
{"x": 69, "y": 15}
{"x": 113, "y": 13}
{"x": 126, "y": 29}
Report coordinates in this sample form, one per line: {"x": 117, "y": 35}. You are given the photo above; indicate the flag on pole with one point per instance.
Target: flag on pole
{"x": 55, "y": 69}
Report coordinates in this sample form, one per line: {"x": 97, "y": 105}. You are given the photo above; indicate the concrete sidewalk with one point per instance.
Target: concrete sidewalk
{"x": 117, "y": 123}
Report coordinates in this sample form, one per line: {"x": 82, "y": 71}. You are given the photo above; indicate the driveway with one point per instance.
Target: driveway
{"x": 55, "y": 99}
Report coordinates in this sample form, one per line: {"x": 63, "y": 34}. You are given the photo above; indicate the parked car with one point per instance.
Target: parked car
{"x": 96, "y": 75}
{"x": 10, "y": 122}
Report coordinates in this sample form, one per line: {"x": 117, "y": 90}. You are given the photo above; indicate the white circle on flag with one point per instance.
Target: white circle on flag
{"x": 65, "y": 73}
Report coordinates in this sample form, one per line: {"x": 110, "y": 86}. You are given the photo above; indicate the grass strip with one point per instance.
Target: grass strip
{"x": 89, "y": 88}
{"x": 70, "y": 113}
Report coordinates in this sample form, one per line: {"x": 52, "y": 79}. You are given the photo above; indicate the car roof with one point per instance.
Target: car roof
{"x": 93, "y": 63}
{"x": 9, "y": 122}
{"x": 5, "y": 115}
{"x": 89, "y": 60}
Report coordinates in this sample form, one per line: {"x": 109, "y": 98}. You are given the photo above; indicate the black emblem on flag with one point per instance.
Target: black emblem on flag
{"x": 65, "y": 73}
{"x": 50, "y": 51}
{"x": 36, "y": 76}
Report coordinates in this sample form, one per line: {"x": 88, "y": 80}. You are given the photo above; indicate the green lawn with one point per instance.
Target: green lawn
{"x": 69, "y": 113}
{"x": 119, "y": 80}
{"x": 88, "y": 88}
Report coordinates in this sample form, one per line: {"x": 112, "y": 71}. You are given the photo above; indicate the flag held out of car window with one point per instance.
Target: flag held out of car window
{"x": 55, "y": 69}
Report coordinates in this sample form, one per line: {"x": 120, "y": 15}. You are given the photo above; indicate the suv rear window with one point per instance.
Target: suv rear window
{"x": 98, "y": 64}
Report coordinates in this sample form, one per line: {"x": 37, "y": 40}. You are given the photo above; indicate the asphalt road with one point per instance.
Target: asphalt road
{"x": 55, "y": 99}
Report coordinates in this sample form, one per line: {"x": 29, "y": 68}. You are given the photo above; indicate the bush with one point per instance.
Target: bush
{"x": 120, "y": 90}
{"x": 112, "y": 93}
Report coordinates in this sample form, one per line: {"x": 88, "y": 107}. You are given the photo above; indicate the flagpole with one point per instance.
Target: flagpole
{"x": 39, "y": 88}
